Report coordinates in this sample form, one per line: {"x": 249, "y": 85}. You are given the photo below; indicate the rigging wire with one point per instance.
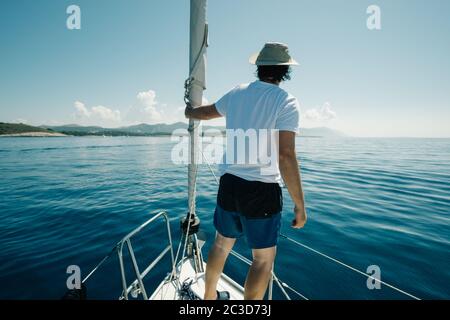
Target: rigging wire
{"x": 349, "y": 267}
{"x": 114, "y": 250}
{"x": 322, "y": 254}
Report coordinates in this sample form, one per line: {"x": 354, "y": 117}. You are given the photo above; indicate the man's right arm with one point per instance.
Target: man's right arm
{"x": 290, "y": 172}
{"x": 206, "y": 112}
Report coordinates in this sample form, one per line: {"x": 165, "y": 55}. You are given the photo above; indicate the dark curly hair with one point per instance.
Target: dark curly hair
{"x": 276, "y": 73}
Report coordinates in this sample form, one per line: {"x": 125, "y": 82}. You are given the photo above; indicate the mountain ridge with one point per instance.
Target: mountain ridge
{"x": 142, "y": 129}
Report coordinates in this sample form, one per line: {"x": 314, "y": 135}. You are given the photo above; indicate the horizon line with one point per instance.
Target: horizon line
{"x": 165, "y": 123}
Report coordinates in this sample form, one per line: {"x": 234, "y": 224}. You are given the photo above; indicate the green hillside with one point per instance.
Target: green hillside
{"x": 14, "y": 128}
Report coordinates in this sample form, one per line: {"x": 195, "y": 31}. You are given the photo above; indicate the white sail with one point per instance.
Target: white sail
{"x": 195, "y": 85}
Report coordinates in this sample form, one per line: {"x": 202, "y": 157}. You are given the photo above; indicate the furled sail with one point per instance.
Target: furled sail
{"x": 195, "y": 85}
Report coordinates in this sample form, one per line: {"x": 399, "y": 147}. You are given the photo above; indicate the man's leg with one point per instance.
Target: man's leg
{"x": 216, "y": 260}
{"x": 259, "y": 273}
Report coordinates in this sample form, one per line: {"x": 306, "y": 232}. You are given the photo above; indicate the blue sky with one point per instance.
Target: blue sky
{"x": 128, "y": 62}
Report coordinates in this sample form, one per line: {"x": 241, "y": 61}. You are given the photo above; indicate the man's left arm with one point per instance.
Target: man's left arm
{"x": 202, "y": 113}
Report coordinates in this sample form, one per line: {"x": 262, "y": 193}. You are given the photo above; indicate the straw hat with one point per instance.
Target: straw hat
{"x": 273, "y": 54}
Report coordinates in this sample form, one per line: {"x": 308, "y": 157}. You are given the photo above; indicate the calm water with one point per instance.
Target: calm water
{"x": 382, "y": 202}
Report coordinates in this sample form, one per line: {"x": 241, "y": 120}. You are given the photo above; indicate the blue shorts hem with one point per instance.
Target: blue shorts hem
{"x": 259, "y": 233}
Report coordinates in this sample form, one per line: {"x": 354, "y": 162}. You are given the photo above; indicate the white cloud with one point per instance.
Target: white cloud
{"x": 97, "y": 115}
{"x": 147, "y": 98}
{"x": 20, "y": 120}
{"x": 105, "y": 114}
{"x": 323, "y": 113}
{"x": 81, "y": 109}
{"x": 145, "y": 111}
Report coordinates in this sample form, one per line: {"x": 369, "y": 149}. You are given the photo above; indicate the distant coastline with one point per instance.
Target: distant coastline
{"x": 35, "y": 134}
{"x": 140, "y": 130}
{"x": 24, "y": 130}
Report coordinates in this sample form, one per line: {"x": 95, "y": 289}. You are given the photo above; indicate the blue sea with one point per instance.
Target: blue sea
{"x": 67, "y": 201}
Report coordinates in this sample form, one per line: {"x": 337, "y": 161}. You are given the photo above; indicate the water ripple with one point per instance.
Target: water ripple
{"x": 370, "y": 201}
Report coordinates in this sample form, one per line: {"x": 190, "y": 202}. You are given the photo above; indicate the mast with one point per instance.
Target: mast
{"x": 195, "y": 86}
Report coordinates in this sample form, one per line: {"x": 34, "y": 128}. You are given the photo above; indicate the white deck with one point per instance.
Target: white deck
{"x": 167, "y": 290}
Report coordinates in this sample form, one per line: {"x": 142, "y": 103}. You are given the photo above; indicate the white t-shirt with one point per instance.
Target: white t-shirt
{"x": 260, "y": 110}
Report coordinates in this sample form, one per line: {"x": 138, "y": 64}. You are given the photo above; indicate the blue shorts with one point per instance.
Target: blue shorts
{"x": 260, "y": 233}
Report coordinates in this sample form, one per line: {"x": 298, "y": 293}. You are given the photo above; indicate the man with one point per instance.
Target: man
{"x": 249, "y": 200}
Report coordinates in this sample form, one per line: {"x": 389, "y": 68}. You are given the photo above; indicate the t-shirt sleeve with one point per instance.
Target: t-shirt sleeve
{"x": 223, "y": 103}
{"x": 289, "y": 116}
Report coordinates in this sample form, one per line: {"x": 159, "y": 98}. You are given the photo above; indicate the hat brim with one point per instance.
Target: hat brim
{"x": 254, "y": 57}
